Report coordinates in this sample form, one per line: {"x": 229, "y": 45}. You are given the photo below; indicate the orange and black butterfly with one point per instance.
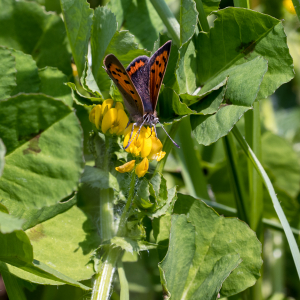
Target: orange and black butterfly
{"x": 139, "y": 84}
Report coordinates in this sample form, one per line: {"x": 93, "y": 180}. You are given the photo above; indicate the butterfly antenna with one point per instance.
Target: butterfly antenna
{"x": 168, "y": 135}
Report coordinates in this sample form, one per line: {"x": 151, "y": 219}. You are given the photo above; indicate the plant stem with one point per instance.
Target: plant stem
{"x": 124, "y": 216}
{"x": 102, "y": 285}
{"x": 167, "y": 147}
{"x": 285, "y": 224}
{"x": 202, "y": 16}
{"x": 168, "y": 19}
{"x": 191, "y": 164}
{"x": 106, "y": 214}
{"x": 123, "y": 282}
{"x": 235, "y": 177}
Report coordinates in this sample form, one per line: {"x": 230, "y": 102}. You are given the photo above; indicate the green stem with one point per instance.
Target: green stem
{"x": 123, "y": 282}
{"x": 235, "y": 177}
{"x": 202, "y": 16}
{"x": 106, "y": 214}
{"x": 168, "y": 19}
{"x": 168, "y": 144}
{"x": 285, "y": 224}
{"x": 297, "y": 7}
{"x": 13, "y": 289}
{"x": 103, "y": 280}
{"x": 124, "y": 216}
{"x": 191, "y": 168}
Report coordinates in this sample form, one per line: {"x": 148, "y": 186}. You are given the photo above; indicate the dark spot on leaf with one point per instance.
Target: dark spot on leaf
{"x": 33, "y": 147}
{"x": 36, "y": 233}
{"x": 160, "y": 74}
{"x": 205, "y": 171}
{"x": 246, "y": 48}
{"x": 153, "y": 71}
{"x": 132, "y": 92}
{"x": 126, "y": 81}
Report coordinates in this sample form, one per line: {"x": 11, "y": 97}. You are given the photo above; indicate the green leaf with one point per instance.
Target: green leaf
{"x": 130, "y": 245}
{"x": 17, "y": 251}
{"x": 27, "y": 27}
{"x": 188, "y": 20}
{"x": 217, "y": 237}
{"x": 78, "y": 17}
{"x": 158, "y": 188}
{"x": 174, "y": 268}
{"x": 75, "y": 242}
{"x": 283, "y": 162}
{"x": 33, "y": 128}
{"x": 106, "y": 40}
{"x": 52, "y": 84}
{"x": 208, "y": 129}
{"x": 212, "y": 284}
{"x": 28, "y": 80}
{"x": 143, "y": 22}
{"x": 7, "y": 73}
{"x": 12, "y": 286}
{"x": 34, "y": 216}
{"x": 210, "y": 5}
{"x": 120, "y": 9}
{"x": 9, "y": 223}
{"x": 98, "y": 178}
{"x": 238, "y": 36}
{"x": 88, "y": 81}
{"x": 81, "y": 99}
{"x": 2, "y": 155}
{"x": 142, "y": 197}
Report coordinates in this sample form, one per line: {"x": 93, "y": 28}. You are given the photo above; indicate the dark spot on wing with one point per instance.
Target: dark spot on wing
{"x": 153, "y": 71}
{"x": 117, "y": 80}
{"x": 132, "y": 92}
{"x": 108, "y": 66}
{"x": 126, "y": 81}
{"x": 124, "y": 73}
{"x": 159, "y": 65}
{"x": 119, "y": 75}
{"x": 157, "y": 86}
{"x": 156, "y": 62}
{"x": 114, "y": 72}
{"x": 119, "y": 70}
{"x": 135, "y": 101}
{"x": 160, "y": 74}
{"x": 164, "y": 59}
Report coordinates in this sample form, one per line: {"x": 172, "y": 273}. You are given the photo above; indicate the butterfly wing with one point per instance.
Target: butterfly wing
{"x": 120, "y": 77}
{"x": 157, "y": 68}
{"x": 138, "y": 70}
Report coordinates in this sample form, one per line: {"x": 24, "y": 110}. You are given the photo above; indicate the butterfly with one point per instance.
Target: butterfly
{"x": 139, "y": 84}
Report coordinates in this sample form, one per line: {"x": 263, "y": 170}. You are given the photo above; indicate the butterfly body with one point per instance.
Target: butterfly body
{"x": 140, "y": 83}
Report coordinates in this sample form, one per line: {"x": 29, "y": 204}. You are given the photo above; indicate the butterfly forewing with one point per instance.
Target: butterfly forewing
{"x": 120, "y": 77}
{"x": 157, "y": 67}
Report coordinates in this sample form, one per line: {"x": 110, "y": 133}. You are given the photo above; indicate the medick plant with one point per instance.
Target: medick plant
{"x": 83, "y": 194}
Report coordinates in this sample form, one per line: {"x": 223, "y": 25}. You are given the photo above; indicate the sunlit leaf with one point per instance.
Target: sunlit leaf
{"x": 9, "y": 223}
{"x": 44, "y": 148}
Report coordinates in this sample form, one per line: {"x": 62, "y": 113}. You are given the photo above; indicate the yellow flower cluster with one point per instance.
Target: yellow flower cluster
{"x": 108, "y": 118}
{"x": 114, "y": 120}
{"x": 146, "y": 145}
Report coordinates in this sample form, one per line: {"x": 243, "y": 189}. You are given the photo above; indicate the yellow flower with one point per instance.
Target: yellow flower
{"x": 142, "y": 168}
{"x": 128, "y": 167}
{"x": 140, "y": 145}
{"x": 288, "y": 4}
{"x": 115, "y": 120}
{"x": 95, "y": 115}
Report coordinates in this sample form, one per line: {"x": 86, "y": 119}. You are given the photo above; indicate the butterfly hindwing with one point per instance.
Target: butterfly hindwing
{"x": 120, "y": 77}
{"x": 157, "y": 68}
